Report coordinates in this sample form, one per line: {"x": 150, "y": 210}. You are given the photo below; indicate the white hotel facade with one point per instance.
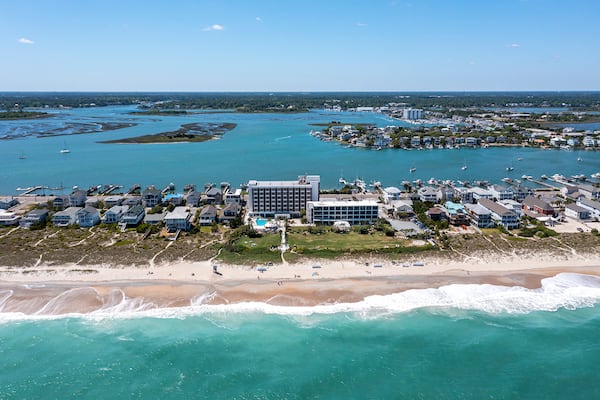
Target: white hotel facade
{"x": 354, "y": 212}
{"x": 282, "y": 198}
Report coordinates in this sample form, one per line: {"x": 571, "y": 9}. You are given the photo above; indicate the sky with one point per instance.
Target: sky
{"x": 300, "y": 46}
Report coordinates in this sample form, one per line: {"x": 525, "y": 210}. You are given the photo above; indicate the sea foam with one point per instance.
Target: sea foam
{"x": 563, "y": 291}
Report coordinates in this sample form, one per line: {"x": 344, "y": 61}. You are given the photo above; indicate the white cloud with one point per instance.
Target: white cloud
{"x": 215, "y": 27}
{"x": 25, "y": 41}
{"x": 361, "y": 24}
{"x": 259, "y": 19}
{"x": 514, "y": 45}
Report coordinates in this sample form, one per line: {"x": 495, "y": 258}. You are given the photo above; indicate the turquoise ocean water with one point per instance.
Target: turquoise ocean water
{"x": 262, "y": 146}
{"x": 456, "y": 342}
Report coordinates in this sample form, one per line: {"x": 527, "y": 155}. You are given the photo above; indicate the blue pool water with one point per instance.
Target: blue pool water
{"x": 261, "y": 222}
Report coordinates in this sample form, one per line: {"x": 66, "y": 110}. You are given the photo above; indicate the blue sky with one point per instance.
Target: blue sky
{"x": 277, "y": 45}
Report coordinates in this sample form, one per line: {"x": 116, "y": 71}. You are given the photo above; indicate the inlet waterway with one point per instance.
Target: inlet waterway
{"x": 262, "y": 146}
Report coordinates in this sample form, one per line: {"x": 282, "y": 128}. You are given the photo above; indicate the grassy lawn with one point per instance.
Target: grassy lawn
{"x": 321, "y": 245}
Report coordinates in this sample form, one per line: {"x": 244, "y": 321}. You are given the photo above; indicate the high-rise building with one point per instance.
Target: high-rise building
{"x": 286, "y": 198}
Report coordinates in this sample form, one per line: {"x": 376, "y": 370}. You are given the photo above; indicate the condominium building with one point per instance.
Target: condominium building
{"x": 286, "y": 198}
{"x": 354, "y": 212}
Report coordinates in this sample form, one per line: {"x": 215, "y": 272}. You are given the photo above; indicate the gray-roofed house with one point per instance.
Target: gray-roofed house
{"x": 33, "y": 217}
{"x": 132, "y": 201}
{"x": 500, "y": 192}
{"x": 592, "y": 206}
{"x": 537, "y": 205}
{"x": 112, "y": 201}
{"x": 500, "y": 214}
{"x": 88, "y": 217}
{"x": 480, "y": 215}
{"x": 179, "y": 218}
{"x": 194, "y": 199}
{"x": 230, "y": 212}
{"x": 77, "y": 198}
{"x": 134, "y": 215}
{"x": 577, "y": 212}
{"x": 151, "y": 197}
{"x": 213, "y": 196}
{"x": 154, "y": 219}
{"x": 60, "y": 202}
{"x": 114, "y": 214}
{"x": 66, "y": 217}
{"x": 6, "y": 203}
{"x": 208, "y": 215}
{"x": 427, "y": 193}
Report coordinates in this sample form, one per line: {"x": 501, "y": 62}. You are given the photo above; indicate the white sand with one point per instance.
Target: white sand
{"x": 337, "y": 269}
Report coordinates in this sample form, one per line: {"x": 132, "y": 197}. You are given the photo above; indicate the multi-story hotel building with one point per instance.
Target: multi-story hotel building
{"x": 285, "y": 198}
{"x": 354, "y": 212}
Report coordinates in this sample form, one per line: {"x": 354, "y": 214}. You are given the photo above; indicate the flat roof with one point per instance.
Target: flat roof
{"x": 341, "y": 203}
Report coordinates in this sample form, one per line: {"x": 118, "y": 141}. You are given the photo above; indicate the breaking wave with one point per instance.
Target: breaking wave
{"x": 563, "y": 291}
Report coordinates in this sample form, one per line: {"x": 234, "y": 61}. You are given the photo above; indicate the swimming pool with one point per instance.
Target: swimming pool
{"x": 261, "y": 222}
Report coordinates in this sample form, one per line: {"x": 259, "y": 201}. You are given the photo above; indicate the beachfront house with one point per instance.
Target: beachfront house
{"x": 114, "y": 214}
{"x": 480, "y": 216}
{"x": 132, "y": 201}
{"x": 134, "y": 216}
{"x": 464, "y": 194}
{"x": 7, "y": 202}
{"x": 178, "y": 219}
{"x": 513, "y": 205}
{"x": 457, "y": 215}
{"x": 151, "y": 197}
{"x": 8, "y": 218}
{"x": 193, "y": 199}
{"x": 112, "y": 201}
{"x": 233, "y": 197}
{"x": 78, "y": 198}
{"x": 155, "y": 219}
{"x": 402, "y": 208}
{"x": 66, "y": 217}
{"x": 88, "y": 217}
{"x": 533, "y": 205}
{"x": 500, "y": 192}
{"x": 212, "y": 196}
{"x": 577, "y": 212}
{"x": 592, "y": 206}
{"x": 230, "y": 212}
{"x": 208, "y": 215}
{"x": 60, "y": 202}
{"x": 521, "y": 192}
{"x": 436, "y": 214}
{"x": 500, "y": 214}
{"x": 37, "y": 216}
{"x": 391, "y": 193}
{"x": 427, "y": 193}
{"x": 481, "y": 193}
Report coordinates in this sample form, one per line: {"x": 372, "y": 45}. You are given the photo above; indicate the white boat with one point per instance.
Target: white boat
{"x": 412, "y": 169}
{"x": 22, "y": 156}
{"x": 510, "y": 168}
{"x": 65, "y": 150}
{"x": 544, "y": 176}
{"x": 596, "y": 175}
{"x": 579, "y": 159}
{"x": 463, "y": 167}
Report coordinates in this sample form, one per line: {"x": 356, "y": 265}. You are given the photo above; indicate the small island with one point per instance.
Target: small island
{"x": 195, "y": 132}
{"x": 161, "y": 112}
{"x": 10, "y": 115}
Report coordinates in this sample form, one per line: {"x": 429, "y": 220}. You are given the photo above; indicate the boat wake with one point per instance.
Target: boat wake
{"x": 564, "y": 291}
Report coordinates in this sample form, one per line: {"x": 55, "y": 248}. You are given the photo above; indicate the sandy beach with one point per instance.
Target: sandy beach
{"x": 82, "y": 289}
